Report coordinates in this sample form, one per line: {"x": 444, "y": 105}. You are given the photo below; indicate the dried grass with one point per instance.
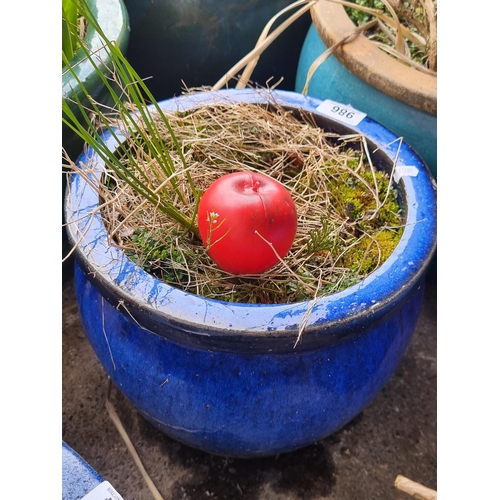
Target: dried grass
{"x": 334, "y": 246}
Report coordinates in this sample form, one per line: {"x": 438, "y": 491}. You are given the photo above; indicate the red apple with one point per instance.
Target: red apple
{"x": 246, "y": 220}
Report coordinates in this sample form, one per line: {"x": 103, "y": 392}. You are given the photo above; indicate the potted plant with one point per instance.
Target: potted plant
{"x": 237, "y": 378}
{"x": 372, "y": 77}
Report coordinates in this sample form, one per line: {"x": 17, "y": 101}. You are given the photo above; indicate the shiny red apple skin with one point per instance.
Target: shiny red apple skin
{"x": 240, "y": 215}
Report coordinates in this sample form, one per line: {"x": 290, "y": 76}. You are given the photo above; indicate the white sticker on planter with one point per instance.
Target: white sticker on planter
{"x": 405, "y": 171}
{"x": 341, "y": 112}
{"x": 103, "y": 491}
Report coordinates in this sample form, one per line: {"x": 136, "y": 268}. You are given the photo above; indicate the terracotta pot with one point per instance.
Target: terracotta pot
{"x": 228, "y": 378}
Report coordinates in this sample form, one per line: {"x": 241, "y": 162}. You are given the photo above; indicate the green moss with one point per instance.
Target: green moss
{"x": 159, "y": 255}
{"x": 372, "y": 222}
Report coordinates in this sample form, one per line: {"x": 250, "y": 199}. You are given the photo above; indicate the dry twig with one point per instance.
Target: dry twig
{"x": 414, "y": 489}
{"x": 128, "y": 443}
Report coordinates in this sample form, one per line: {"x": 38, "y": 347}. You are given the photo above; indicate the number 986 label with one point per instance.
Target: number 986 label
{"x": 341, "y": 112}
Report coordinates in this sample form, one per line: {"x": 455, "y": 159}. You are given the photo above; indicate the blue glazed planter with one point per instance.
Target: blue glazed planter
{"x": 227, "y": 378}
{"x": 401, "y": 98}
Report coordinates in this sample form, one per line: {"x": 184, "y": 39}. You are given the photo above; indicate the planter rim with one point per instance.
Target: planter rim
{"x": 113, "y": 19}
{"x": 371, "y": 64}
{"x": 219, "y": 325}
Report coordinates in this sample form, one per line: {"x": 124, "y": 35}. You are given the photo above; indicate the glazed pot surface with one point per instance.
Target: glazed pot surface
{"x": 243, "y": 404}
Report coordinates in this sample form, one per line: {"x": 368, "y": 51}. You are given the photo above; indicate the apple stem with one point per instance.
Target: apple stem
{"x": 255, "y": 187}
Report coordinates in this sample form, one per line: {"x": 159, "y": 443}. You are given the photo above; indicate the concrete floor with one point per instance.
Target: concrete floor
{"x": 395, "y": 434}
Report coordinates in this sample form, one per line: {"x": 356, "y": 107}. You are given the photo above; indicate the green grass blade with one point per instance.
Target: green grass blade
{"x": 69, "y": 27}
{"x": 126, "y": 88}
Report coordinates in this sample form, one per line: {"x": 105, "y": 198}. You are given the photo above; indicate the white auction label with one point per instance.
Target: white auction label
{"x": 103, "y": 492}
{"x": 341, "y": 112}
{"x": 405, "y": 171}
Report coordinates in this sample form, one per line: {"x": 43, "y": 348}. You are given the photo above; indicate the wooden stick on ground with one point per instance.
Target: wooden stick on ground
{"x": 128, "y": 443}
{"x": 414, "y": 489}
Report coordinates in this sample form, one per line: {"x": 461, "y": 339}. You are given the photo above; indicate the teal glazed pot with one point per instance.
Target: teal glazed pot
{"x": 230, "y": 378}
{"x": 113, "y": 18}
{"x": 401, "y": 98}
{"x": 196, "y": 43}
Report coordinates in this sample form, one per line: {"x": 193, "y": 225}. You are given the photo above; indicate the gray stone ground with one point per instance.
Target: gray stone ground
{"x": 395, "y": 434}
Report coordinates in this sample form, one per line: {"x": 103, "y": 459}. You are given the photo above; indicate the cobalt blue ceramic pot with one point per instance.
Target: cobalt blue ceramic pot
{"x": 198, "y": 42}
{"x": 401, "y": 98}
{"x": 228, "y": 378}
